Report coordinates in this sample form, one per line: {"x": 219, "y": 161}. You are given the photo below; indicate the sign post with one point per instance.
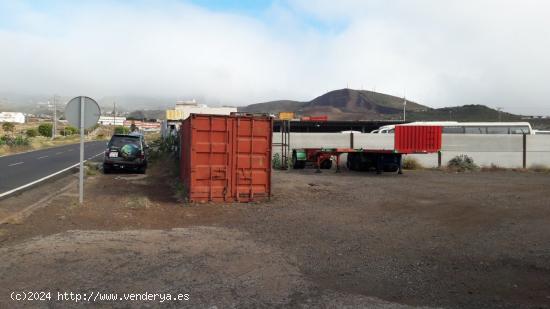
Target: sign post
{"x": 83, "y": 113}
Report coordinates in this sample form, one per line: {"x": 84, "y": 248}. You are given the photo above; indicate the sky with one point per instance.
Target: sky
{"x": 438, "y": 53}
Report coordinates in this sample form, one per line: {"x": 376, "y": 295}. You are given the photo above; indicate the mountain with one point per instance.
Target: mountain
{"x": 343, "y": 104}
{"x": 273, "y": 107}
{"x": 350, "y": 104}
{"x": 463, "y": 113}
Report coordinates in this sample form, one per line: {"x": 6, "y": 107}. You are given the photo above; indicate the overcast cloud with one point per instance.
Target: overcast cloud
{"x": 439, "y": 53}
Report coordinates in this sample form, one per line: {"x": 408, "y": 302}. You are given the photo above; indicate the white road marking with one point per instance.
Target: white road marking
{"x": 69, "y": 150}
{"x": 44, "y": 178}
{"x": 58, "y": 153}
{"x": 14, "y": 164}
{"x": 42, "y": 157}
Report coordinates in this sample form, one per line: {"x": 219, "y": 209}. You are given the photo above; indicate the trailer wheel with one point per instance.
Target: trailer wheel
{"x": 326, "y": 164}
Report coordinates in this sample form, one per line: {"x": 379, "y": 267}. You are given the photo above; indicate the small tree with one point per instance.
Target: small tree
{"x": 45, "y": 129}
{"x": 8, "y": 127}
{"x": 32, "y": 132}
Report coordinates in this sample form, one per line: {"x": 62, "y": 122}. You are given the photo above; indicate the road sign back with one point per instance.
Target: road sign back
{"x": 91, "y": 112}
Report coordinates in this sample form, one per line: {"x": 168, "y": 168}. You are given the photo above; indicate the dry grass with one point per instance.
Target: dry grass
{"x": 410, "y": 163}
{"x": 493, "y": 168}
{"x": 40, "y": 142}
{"x": 539, "y": 168}
{"x": 91, "y": 168}
{"x": 138, "y": 202}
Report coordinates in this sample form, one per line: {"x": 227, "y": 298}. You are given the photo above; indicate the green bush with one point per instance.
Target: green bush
{"x": 8, "y": 127}
{"x": 411, "y": 164}
{"x": 462, "y": 163}
{"x": 32, "y": 132}
{"x": 14, "y": 141}
{"x": 70, "y": 130}
{"x": 121, "y": 130}
{"x": 45, "y": 129}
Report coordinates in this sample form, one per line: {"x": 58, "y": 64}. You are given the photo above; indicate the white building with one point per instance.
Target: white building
{"x": 12, "y": 117}
{"x": 110, "y": 120}
{"x": 185, "y": 108}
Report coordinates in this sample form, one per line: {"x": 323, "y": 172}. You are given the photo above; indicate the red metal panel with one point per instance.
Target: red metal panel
{"x": 226, "y": 158}
{"x": 417, "y": 139}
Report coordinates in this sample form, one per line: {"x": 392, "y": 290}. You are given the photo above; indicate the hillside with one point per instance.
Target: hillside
{"x": 343, "y": 104}
{"x": 273, "y": 107}
{"x": 350, "y": 104}
{"x": 463, "y": 113}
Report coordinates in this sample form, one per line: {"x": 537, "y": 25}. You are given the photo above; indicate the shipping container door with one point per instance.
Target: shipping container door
{"x": 211, "y": 144}
{"x": 252, "y": 147}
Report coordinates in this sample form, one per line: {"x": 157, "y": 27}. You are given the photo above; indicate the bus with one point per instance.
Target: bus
{"x": 455, "y": 127}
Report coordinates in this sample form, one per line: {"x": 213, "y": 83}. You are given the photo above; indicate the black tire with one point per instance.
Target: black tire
{"x": 106, "y": 169}
{"x": 142, "y": 169}
{"x": 326, "y": 164}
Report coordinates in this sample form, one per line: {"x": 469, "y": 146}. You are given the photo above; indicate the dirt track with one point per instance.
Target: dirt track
{"x": 426, "y": 238}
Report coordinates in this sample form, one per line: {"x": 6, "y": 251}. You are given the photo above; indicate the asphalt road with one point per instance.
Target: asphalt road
{"x": 20, "y": 169}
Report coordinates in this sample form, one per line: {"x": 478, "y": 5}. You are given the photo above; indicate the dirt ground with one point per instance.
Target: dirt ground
{"x": 425, "y": 238}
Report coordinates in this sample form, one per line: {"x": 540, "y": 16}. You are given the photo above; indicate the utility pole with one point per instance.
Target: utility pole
{"x": 499, "y": 109}
{"x": 114, "y": 118}
{"x": 404, "y": 109}
{"x": 54, "y": 126}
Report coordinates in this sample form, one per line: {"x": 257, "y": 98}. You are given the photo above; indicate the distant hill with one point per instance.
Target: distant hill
{"x": 273, "y": 107}
{"x": 343, "y": 104}
{"x": 350, "y": 104}
{"x": 463, "y": 113}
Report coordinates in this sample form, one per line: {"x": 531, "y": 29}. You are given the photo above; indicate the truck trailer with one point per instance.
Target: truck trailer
{"x": 407, "y": 140}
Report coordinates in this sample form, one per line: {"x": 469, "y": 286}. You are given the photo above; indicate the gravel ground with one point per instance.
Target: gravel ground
{"x": 425, "y": 238}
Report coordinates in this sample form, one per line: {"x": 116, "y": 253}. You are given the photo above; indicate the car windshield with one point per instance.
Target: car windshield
{"x": 119, "y": 141}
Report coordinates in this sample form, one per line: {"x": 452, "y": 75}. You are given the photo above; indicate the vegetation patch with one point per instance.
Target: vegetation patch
{"x": 539, "y": 168}
{"x": 462, "y": 163}
{"x": 410, "y": 163}
{"x": 493, "y": 168}
{"x": 138, "y": 202}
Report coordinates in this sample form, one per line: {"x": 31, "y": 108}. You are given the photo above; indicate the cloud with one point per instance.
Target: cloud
{"x": 436, "y": 52}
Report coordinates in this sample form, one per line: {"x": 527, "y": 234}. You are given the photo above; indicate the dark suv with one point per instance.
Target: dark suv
{"x": 126, "y": 152}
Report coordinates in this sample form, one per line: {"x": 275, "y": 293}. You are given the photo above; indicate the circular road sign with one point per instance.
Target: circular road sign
{"x": 91, "y": 112}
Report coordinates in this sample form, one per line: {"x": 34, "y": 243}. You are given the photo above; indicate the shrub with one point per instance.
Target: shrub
{"x": 121, "y": 130}
{"x": 462, "y": 163}
{"x": 31, "y": 132}
{"x": 276, "y": 161}
{"x": 21, "y": 141}
{"x": 14, "y": 141}
{"x": 410, "y": 163}
{"x": 8, "y": 127}
{"x": 70, "y": 130}
{"x": 45, "y": 129}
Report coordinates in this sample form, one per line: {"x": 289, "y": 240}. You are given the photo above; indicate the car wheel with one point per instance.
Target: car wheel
{"x": 326, "y": 164}
{"x": 106, "y": 169}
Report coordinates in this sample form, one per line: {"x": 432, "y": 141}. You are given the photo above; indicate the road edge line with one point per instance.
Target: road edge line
{"x": 13, "y": 191}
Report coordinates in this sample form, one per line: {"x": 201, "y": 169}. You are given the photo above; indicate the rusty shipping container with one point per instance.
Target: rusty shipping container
{"x": 417, "y": 139}
{"x": 226, "y": 158}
